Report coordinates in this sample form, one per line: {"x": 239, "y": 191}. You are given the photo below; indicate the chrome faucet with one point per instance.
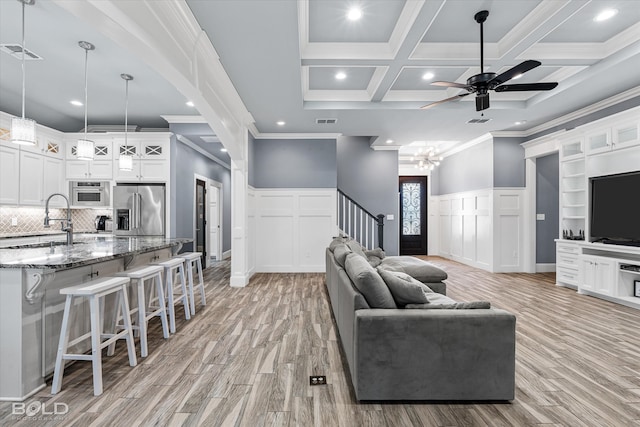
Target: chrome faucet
{"x": 65, "y": 224}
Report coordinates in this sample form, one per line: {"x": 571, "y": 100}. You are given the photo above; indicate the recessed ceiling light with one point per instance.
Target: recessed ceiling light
{"x": 389, "y": 141}
{"x": 606, "y": 14}
{"x": 516, "y": 77}
{"x": 189, "y": 103}
{"x": 224, "y": 150}
{"x": 520, "y": 122}
{"x": 280, "y": 123}
{"x": 76, "y": 103}
{"x": 427, "y": 76}
{"x": 354, "y": 14}
{"x": 341, "y": 76}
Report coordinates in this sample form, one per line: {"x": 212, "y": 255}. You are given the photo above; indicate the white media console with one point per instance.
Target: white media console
{"x": 601, "y": 270}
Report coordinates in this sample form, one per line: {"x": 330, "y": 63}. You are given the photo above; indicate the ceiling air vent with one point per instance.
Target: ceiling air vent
{"x": 15, "y": 50}
{"x": 478, "y": 121}
{"x": 326, "y": 121}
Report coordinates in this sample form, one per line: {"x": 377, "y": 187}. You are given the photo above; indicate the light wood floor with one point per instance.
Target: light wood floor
{"x": 245, "y": 360}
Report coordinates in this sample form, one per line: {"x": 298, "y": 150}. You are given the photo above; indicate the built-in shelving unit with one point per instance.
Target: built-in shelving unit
{"x": 609, "y": 146}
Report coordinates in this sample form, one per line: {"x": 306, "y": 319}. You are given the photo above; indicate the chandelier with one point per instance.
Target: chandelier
{"x": 426, "y": 158}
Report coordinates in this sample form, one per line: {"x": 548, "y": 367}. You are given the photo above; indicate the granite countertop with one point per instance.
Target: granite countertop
{"x": 85, "y": 251}
{"x": 49, "y": 233}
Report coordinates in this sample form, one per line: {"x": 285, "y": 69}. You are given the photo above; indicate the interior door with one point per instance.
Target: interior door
{"x": 413, "y": 215}
{"x": 200, "y": 220}
{"x": 214, "y": 223}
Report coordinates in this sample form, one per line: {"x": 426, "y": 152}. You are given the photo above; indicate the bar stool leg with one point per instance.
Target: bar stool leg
{"x": 192, "y": 299}
{"x": 111, "y": 349}
{"x": 162, "y": 304}
{"x": 201, "y": 281}
{"x": 142, "y": 319}
{"x": 96, "y": 351}
{"x": 131, "y": 349}
{"x": 172, "y": 310}
{"x": 183, "y": 283}
{"x": 62, "y": 347}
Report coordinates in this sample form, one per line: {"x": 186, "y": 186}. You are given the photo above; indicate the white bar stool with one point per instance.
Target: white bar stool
{"x": 94, "y": 291}
{"x": 194, "y": 259}
{"x": 150, "y": 274}
{"x": 175, "y": 264}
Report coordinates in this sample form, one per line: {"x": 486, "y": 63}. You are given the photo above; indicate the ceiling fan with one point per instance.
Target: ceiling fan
{"x": 482, "y": 83}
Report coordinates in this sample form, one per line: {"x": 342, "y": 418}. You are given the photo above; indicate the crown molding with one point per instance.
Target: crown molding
{"x": 461, "y": 147}
{"x": 186, "y": 141}
{"x": 183, "y": 119}
{"x": 296, "y": 135}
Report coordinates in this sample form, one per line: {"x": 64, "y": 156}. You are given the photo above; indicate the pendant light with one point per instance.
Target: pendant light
{"x": 23, "y": 130}
{"x": 85, "y": 146}
{"x": 125, "y": 162}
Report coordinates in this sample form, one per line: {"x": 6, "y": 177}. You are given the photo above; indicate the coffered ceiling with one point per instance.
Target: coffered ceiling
{"x": 282, "y": 57}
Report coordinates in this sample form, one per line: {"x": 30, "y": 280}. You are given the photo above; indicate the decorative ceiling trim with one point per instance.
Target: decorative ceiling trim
{"x": 461, "y": 147}
{"x": 296, "y": 135}
{"x": 186, "y": 141}
{"x": 338, "y": 94}
{"x": 184, "y": 119}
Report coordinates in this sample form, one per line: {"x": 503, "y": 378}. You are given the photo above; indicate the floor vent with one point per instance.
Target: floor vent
{"x": 15, "y": 50}
{"x": 326, "y": 121}
{"x": 478, "y": 121}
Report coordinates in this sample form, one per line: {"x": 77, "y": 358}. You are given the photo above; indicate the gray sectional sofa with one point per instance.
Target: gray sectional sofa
{"x": 416, "y": 354}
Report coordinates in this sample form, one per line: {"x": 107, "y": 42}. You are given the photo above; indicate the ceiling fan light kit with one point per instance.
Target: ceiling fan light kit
{"x": 482, "y": 83}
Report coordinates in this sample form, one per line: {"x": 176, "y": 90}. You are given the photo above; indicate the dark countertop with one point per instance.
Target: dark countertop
{"x": 85, "y": 251}
{"x": 49, "y": 233}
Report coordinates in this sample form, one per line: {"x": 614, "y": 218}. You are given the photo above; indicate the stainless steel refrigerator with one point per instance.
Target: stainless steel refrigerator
{"x": 139, "y": 210}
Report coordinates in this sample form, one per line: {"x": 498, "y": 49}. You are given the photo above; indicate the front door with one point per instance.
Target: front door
{"x": 200, "y": 220}
{"x": 413, "y": 215}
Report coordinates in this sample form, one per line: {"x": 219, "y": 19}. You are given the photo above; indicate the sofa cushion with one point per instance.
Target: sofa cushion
{"x": 404, "y": 288}
{"x": 339, "y": 240}
{"x": 356, "y": 248}
{"x": 414, "y": 267}
{"x": 438, "y": 301}
{"x": 367, "y": 280}
{"x": 377, "y": 252}
{"x": 340, "y": 253}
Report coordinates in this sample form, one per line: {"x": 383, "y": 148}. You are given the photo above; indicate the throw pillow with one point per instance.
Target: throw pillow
{"x": 336, "y": 242}
{"x": 420, "y": 270}
{"x": 438, "y": 301}
{"x": 377, "y": 252}
{"x": 356, "y": 248}
{"x": 368, "y": 282}
{"x": 374, "y": 261}
{"x": 340, "y": 253}
{"x": 404, "y": 288}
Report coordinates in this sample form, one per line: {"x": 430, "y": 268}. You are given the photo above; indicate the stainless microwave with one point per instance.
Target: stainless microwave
{"x": 92, "y": 194}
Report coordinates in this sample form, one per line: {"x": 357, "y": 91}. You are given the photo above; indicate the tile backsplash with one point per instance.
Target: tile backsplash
{"x": 30, "y": 220}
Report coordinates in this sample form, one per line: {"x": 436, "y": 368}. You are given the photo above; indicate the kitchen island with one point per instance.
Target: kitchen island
{"x": 31, "y": 306}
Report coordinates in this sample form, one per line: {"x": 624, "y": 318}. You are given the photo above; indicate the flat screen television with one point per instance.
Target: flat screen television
{"x": 615, "y": 209}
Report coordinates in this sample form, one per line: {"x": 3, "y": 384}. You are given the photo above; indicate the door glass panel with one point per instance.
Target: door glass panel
{"x": 411, "y": 208}
{"x": 200, "y": 224}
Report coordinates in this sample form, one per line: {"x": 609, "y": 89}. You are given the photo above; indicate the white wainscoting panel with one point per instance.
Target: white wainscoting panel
{"x": 293, "y": 228}
{"x": 482, "y": 228}
{"x": 251, "y": 226}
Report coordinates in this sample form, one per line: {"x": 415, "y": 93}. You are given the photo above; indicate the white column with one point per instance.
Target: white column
{"x": 529, "y": 256}
{"x": 239, "y": 222}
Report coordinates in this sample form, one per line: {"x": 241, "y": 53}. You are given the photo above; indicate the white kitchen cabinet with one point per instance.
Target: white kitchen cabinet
{"x": 147, "y": 147}
{"x": 9, "y": 175}
{"x": 54, "y": 181}
{"x": 102, "y": 147}
{"x": 31, "y": 176}
{"x": 143, "y": 171}
{"x": 626, "y": 134}
{"x": 89, "y": 169}
{"x": 598, "y": 142}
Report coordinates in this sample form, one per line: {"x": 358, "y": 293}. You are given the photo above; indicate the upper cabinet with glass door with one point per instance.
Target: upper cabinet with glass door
{"x": 572, "y": 149}
{"x": 620, "y": 135}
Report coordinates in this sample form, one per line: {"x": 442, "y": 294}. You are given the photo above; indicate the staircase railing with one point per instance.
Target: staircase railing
{"x": 360, "y": 224}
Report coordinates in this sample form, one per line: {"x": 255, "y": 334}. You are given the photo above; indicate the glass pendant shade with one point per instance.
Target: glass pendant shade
{"x": 85, "y": 149}
{"x": 23, "y": 131}
{"x": 125, "y": 162}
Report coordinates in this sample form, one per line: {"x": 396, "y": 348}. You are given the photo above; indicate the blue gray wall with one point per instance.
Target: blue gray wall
{"x": 508, "y": 162}
{"x": 185, "y": 162}
{"x": 293, "y": 163}
{"x": 371, "y": 178}
{"x": 547, "y": 203}
{"x": 468, "y": 170}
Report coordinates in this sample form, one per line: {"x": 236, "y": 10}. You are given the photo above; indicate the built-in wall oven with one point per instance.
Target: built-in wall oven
{"x": 92, "y": 194}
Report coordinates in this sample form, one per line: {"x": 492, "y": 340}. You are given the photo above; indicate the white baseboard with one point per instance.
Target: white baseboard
{"x": 226, "y": 254}
{"x": 239, "y": 281}
{"x": 546, "y": 268}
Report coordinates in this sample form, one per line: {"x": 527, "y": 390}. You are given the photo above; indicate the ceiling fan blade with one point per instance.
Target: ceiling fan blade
{"x": 453, "y": 98}
{"x": 521, "y": 68}
{"x": 482, "y": 101}
{"x": 526, "y": 86}
{"x": 451, "y": 84}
